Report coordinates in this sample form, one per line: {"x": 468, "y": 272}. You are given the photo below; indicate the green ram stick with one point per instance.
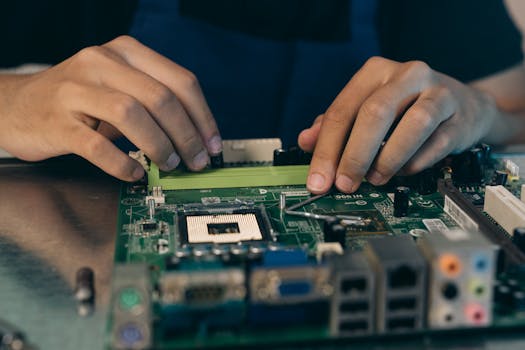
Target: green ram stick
{"x": 228, "y": 177}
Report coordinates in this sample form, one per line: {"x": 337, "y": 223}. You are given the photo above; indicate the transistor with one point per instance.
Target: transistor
{"x": 401, "y": 201}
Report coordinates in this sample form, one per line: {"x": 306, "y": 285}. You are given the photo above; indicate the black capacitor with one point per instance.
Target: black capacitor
{"x": 334, "y": 231}
{"x": 85, "y": 285}
{"x": 425, "y": 182}
{"x": 280, "y": 157}
{"x": 217, "y": 161}
{"x": 476, "y": 165}
{"x": 500, "y": 178}
{"x": 518, "y": 238}
{"x": 401, "y": 201}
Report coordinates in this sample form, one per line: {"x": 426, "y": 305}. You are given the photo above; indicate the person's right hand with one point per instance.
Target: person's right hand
{"x": 123, "y": 85}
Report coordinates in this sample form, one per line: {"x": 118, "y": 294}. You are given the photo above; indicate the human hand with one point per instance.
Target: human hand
{"x": 430, "y": 113}
{"x": 119, "y": 87}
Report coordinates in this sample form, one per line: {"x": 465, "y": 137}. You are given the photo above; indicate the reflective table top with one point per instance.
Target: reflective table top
{"x": 60, "y": 215}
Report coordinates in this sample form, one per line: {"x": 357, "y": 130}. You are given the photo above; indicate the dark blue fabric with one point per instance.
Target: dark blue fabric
{"x": 258, "y": 87}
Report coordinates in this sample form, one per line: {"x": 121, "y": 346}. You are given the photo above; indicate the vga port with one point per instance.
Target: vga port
{"x": 292, "y": 284}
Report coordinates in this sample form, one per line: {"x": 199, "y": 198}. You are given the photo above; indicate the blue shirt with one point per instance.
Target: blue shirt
{"x": 258, "y": 87}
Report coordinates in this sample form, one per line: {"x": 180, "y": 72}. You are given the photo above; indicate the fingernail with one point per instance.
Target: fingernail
{"x": 215, "y": 145}
{"x": 316, "y": 182}
{"x": 344, "y": 183}
{"x": 138, "y": 173}
{"x": 173, "y": 161}
{"x": 201, "y": 160}
{"x": 375, "y": 178}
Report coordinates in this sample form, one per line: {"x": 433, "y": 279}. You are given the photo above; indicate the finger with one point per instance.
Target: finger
{"x": 159, "y": 100}
{"x": 374, "y": 119}
{"x": 438, "y": 146}
{"x": 108, "y": 131}
{"x": 181, "y": 81}
{"x": 338, "y": 120}
{"x": 308, "y": 137}
{"x": 415, "y": 127}
{"x": 127, "y": 115}
{"x": 98, "y": 150}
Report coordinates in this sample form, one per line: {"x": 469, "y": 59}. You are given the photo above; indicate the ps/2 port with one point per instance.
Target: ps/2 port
{"x": 450, "y": 265}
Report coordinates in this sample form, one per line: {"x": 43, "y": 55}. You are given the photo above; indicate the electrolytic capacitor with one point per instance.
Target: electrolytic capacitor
{"x": 425, "y": 182}
{"x": 401, "y": 201}
{"x": 217, "y": 161}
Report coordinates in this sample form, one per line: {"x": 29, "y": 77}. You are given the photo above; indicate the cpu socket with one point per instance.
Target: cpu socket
{"x": 227, "y": 225}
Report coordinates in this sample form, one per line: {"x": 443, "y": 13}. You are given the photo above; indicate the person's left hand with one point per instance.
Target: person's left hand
{"x": 432, "y": 114}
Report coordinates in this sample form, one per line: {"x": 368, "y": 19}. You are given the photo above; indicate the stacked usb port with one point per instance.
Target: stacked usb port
{"x": 352, "y": 305}
{"x": 400, "y": 272}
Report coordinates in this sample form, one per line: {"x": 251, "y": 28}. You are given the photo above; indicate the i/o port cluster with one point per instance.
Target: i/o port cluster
{"x": 461, "y": 279}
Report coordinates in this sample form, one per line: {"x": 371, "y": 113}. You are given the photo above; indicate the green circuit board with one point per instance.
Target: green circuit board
{"x": 160, "y": 254}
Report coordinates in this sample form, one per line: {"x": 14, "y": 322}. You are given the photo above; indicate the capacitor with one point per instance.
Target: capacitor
{"x": 401, "y": 201}
{"x": 217, "y": 161}
{"x": 334, "y": 231}
{"x": 425, "y": 182}
{"x": 476, "y": 165}
{"x": 518, "y": 238}
{"x": 280, "y": 157}
{"x": 500, "y": 178}
{"x": 85, "y": 285}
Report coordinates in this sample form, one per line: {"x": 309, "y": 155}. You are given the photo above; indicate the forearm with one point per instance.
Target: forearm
{"x": 505, "y": 96}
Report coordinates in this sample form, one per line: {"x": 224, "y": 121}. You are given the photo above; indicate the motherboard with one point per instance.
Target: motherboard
{"x": 242, "y": 254}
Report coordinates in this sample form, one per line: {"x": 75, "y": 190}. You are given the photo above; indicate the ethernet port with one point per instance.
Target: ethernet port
{"x": 353, "y": 285}
{"x": 401, "y": 323}
{"x": 403, "y": 276}
{"x": 407, "y": 303}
